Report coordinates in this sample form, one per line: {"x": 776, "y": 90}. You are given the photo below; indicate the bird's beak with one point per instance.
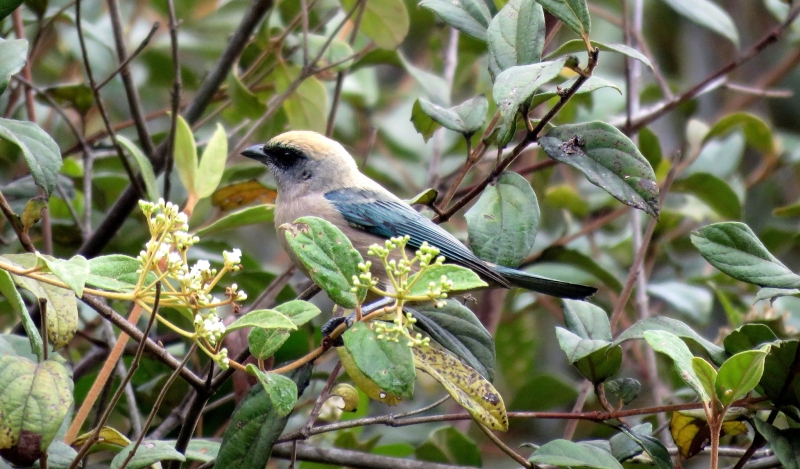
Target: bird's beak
{"x": 257, "y": 153}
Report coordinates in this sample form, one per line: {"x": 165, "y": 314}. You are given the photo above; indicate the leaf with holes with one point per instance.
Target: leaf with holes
{"x": 608, "y": 159}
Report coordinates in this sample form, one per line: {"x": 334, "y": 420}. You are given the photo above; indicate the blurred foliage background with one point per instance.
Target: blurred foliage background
{"x": 373, "y": 78}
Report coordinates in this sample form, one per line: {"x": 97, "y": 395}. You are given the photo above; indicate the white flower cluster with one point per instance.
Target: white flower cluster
{"x": 234, "y": 292}
{"x": 209, "y": 326}
{"x": 233, "y": 259}
{"x": 439, "y": 292}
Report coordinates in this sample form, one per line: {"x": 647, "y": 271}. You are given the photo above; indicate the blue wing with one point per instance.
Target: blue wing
{"x": 377, "y": 215}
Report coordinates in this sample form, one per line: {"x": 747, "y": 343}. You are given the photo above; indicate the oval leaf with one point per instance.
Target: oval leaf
{"x": 503, "y": 224}
{"x": 577, "y": 45}
{"x": 246, "y": 216}
{"x": 672, "y": 346}
{"x": 186, "y": 156}
{"x": 462, "y": 278}
{"x": 389, "y": 364}
{"x": 573, "y": 13}
{"x": 565, "y": 453}
{"x": 145, "y": 167}
{"x": 73, "y": 272}
{"x": 708, "y": 15}
{"x": 385, "y": 21}
{"x": 713, "y": 191}
{"x": 471, "y": 17}
{"x": 515, "y": 85}
{"x": 282, "y": 391}
{"x": 148, "y": 453}
{"x": 608, "y": 159}
{"x": 40, "y": 151}
{"x": 263, "y": 318}
{"x": 739, "y": 375}
{"x": 734, "y": 249}
{"x": 212, "y": 164}
{"x": 516, "y": 36}
{"x": 13, "y": 55}
{"x": 327, "y": 256}
{"x": 466, "y": 118}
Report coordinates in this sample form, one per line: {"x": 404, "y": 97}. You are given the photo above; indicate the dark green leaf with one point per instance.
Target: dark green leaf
{"x": 462, "y": 278}
{"x": 651, "y": 445}
{"x": 636, "y": 331}
{"x": 781, "y": 379}
{"x": 327, "y": 256}
{"x": 734, "y": 249}
{"x": 263, "y": 318}
{"x": 586, "y": 320}
{"x": 282, "y": 391}
{"x": 515, "y": 85}
{"x": 671, "y": 345}
{"x": 713, "y": 191}
{"x": 581, "y": 261}
{"x": 748, "y": 337}
{"x": 387, "y": 363}
{"x": 8, "y": 6}
{"x": 623, "y": 447}
{"x": 608, "y": 158}
{"x": 466, "y": 118}
{"x": 625, "y": 389}
{"x": 144, "y": 166}
{"x": 264, "y": 343}
{"x": 516, "y": 36}
{"x": 447, "y": 445}
{"x": 385, "y": 21}
{"x": 147, "y": 454}
{"x": 757, "y": 133}
{"x": 597, "y": 360}
{"x": 577, "y": 45}
{"x": 544, "y": 392}
{"x": 423, "y": 122}
{"x": 739, "y": 375}
{"x": 78, "y": 96}
{"x": 707, "y": 14}
{"x": 650, "y": 147}
{"x": 565, "y": 453}
{"x": 34, "y": 398}
{"x": 784, "y": 443}
{"x": 504, "y": 222}
{"x": 458, "y": 330}
{"x": 40, "y": 151}
{"x": 254, "y": 215}
{"x": 298, "y": 311}
{"x": 255, "y": 426}
{"x": 13, "y": 53}
{"x": 471, "y": 17}
{"x": 573, "y": 13}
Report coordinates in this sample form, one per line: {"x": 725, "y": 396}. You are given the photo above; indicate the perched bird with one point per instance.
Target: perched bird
{"x": 317, "y": 177}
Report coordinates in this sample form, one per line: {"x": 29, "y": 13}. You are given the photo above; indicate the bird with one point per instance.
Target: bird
{"x": 317, "y": 177}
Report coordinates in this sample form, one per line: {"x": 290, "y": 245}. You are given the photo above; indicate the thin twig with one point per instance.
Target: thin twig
{"x": 131, "y": 370}
{"x": 450, "y": 63}
{"x": 323, "y": 396}
{"x": 16, "y": 224}
{"x": 337, "y": 92}
{"x": 177, "y": 90}
{"x": 128, "y": 60}
{"x": 503, "y": 447}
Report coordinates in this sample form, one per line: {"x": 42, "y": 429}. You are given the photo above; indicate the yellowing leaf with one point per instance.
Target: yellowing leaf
{"x": 107, "y": 435}
{"x": 363, "y": 382}
{"x": 691, "y": 434}
{"x": 464, "y": 384}
{"x": 241, "y": 194}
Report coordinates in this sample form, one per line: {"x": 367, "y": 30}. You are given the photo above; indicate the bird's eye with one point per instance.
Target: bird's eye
{"x": 306, "y": 174}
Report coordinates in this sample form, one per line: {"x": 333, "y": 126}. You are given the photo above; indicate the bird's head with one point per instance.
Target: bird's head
{"x": 303, "y": 160}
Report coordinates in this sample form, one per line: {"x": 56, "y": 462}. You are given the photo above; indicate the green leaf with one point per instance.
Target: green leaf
{"x": 706, "y": 375}
{"x": 597, "y": 360}
{"x": 115, "y": 272}
{"x": 60, "y": 455}
{"x": 263, "y": 318}
{"x": 671, "y": 345}
{"x": 577, "y": 45}
{"x": 186, "y": 156}
{"x": 202, "y": 450}
{"x": 757, "y": 133}
{"x": 624, "y": 447}
{"x": 147, "y": 454}
{"x": 426, "y": 197}
{"x": 144, "y": 166}
{"x": 243, "y": 100}
{"x": 713, "y": 191}
{"x": 651, "y": 445}
{"x": 327, "y": 256}
{"x": 734, "y": 249}
{"x": 781, "y": 380}
{"x": 254, "y": 215}
{"x": 708, "y": 15}
{"x": 650, "y": 146}
{"x": 592, "y": 84}
{"x": 748, "y": 337}
{"x": 78, "y": 96}
{"x": 212, "y": 164}
{"x": 11, "y": 294}
{"x": 608, "y": 159}
{"x": 457, "y": 329}
{"x": 447, "y": 445}
{"x": 573, "y": 13}
{"x": 462, "y": 278}
{"x": 516, "y": 36}
{"x": 739, "y": 375}
{"x": 73, "y": 272}
{"x": 298, "y": 311}
{"x": 264, "y": 343}
{"x": 436, "y": 88}
{"x": 13, "y": 54}
{"x": 423, "y": 123}
{"x": 565, "y": 453}
{"x": 586, "y": 320}
{"x": 306, "y": 104}
{"x": 255, "y": 426}
{"x": 472, "y": 392}
{"x": 792, "y": 210}
{"x": 691, "y": 301}
{"x": 515, "y": 85}
{"x": 625, "y": 389}
{"x": 387, "y": 363}
{"x": 636, "y": 331}
{"x": 8, "y": 6}
{"x": 784, "y": 443}
{"x": 282, "y": 391}
{"x": 34, "y": 399}
{"x": 32, "y": 212}
{"x": 503, "y": 223}
{"x": 40, "y": 151}
{"x": 471, "y": 17}
{"x": 386, "y": 22}
{"x": 466, "y": 118}
{"x": 336, "y": 51}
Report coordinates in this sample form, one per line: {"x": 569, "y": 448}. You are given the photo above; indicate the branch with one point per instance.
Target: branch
{"x": 177, "y": 90}
{"x": 355, "y": 459}
{"x": 127, "y": 61}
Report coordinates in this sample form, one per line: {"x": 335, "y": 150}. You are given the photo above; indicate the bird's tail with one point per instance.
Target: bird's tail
{"x": 548, "y": 286}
